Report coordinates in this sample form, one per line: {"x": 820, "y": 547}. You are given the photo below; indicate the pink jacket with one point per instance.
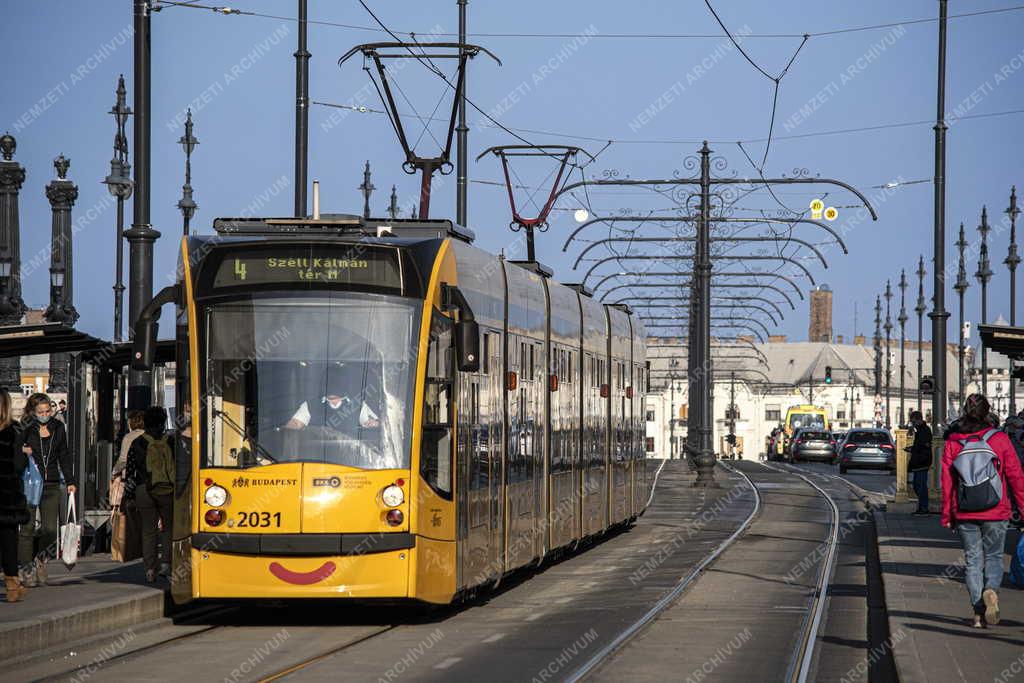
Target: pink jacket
{"x": 1009, "y": 470}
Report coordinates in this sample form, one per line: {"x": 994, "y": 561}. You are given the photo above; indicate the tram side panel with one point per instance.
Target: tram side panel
{"x": 479, "y": 454}
{"x": 563, "y": 517}
{"x": 641, "y": 492}
{"x": 594, "y": 479}
{"x": 525, "y": 423}
{"x": 619, "y": 452}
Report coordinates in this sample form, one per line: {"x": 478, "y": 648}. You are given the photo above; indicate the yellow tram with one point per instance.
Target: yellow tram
{"x": 379, "y": 409}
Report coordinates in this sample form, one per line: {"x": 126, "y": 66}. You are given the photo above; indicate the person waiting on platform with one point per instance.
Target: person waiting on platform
{"x": 345, "y": 403}
{"x": 13, "y": 506}
{"x": 149, "y": 481}
{"x": 45, "y": 440}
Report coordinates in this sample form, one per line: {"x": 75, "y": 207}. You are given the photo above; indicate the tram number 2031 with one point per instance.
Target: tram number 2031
{"x": 258, "y": 519}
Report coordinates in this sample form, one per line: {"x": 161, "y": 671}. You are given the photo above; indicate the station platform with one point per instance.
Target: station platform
{"x": 929, "y": 613}
{"x": 97, "y": 596}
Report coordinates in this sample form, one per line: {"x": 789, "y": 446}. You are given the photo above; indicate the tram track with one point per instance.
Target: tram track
{"x": 803, "y": 657}
{"x": 637, "y": 626}
{"x": 801, "y": 661}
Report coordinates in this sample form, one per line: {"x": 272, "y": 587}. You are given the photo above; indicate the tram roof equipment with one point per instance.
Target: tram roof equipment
{"x": 333, "y": 225}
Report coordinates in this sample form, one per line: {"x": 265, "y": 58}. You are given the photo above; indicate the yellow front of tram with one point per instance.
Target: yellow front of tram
{"x": 321, "y": 375}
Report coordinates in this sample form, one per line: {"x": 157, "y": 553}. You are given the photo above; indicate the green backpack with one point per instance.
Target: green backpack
{"x": 160, "y": 465}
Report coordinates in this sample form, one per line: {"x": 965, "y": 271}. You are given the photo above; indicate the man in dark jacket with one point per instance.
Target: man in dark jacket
{"x": 920, "y": 460}
{"x": 155, "y": 506}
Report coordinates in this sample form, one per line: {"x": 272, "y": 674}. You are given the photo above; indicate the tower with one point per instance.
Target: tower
{"x": 820, "y": 329}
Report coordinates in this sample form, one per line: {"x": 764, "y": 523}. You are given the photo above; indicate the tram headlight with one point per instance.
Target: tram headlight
{"x": 216, "y": 496}
{"x": 393, "y": 496}
{"x": 395, "y": 517}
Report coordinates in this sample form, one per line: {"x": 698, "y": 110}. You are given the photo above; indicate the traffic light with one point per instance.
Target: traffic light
{"x": 927, "y": 384}
{"x": 828, "y": 374}
{"x": 730, "y": 439}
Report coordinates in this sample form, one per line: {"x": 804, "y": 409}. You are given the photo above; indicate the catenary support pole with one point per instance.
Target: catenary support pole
{"x": 141, "y": 235}
{"x": 939, "y": 315}
{"x": 462, "y": 135}
{"x": 301, "y": 113}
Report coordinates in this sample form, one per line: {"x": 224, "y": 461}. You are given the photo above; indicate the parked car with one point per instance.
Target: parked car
{"x": 813, "y": 444}
{"x": 867, "y": 449}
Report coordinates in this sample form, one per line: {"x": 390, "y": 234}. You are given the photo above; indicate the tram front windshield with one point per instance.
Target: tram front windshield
{"x": 325, "y": 379}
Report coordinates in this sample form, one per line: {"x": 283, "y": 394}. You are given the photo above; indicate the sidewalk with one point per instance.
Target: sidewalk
{"x": 929, "y": 612}
{"x": 98, "y": 595}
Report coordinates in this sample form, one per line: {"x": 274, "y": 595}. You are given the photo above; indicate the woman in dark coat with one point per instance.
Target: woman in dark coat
{"x": 13, "y": 507}
{"x": 45, "y": 439}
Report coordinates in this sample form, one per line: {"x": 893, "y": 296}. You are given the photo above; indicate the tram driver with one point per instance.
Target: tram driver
{"x": 348, "y": 403}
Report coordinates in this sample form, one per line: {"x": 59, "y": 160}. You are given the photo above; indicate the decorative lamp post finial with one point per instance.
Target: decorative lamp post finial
{"x": 62, "y": 164}
{"x": 7, "y": 146}
{"x": 367, "y": 189}
{"x": 187, "y": 204}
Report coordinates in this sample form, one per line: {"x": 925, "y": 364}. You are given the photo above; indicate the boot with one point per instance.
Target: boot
{"x": 41, "y": 575}
{"x": 15, "y": 591}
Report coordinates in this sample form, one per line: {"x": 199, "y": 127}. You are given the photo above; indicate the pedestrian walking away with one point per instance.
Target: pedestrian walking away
{"x": 13, "y": 506}
{"x": 149, "y": 481}
{"x": 45, "y": 440}
{"x": 920, "y": 460}
{"x": 980, "y": 473}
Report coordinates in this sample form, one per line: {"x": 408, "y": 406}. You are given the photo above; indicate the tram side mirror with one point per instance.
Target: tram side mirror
{"x": 144, "y": 345}
{"x": 467, "y": 345}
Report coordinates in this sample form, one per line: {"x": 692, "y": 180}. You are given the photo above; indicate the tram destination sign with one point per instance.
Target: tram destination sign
{"x": 356, "y": 264}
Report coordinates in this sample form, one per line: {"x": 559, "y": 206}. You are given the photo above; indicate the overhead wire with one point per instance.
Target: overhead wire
{"x": 161, "y": 4}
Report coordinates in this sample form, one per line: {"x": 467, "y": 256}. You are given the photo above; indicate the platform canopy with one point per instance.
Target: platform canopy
{"x": 45, "y": 338}
{"x": 1003, "y": 339}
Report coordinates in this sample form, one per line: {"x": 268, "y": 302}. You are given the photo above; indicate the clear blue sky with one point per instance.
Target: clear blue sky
{"x": 237, "y": 73}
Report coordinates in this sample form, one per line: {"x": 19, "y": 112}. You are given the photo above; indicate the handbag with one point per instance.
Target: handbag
{"x": 118, "y": 534}
{"x": 32, "y": 482}
{"x": 70, "y": 535}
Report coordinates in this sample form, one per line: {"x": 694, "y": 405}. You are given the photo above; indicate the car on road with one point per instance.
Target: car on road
{"x": 813, "y": 444}
{"x": 867, "y": 449}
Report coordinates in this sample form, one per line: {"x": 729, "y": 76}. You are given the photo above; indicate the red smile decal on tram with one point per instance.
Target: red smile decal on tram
{"x": 302, "y": 578}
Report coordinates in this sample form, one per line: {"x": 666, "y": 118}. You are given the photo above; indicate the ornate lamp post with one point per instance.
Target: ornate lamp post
{"x": 888, "y": 355}
{"x": 12, "y": 308}
{"x": 367, "y": 189}
{"x": 119, "y": 184}
{"x": 62, "y": 194}
{"x": 186, "y": 204}
{"x": 1012, "y": 260}
{"x": 983, "y": 275}
{"x": 920, "y": 309}
{"x": 878, "y": 346}
{"x": 393, "y": 206}
{"x": 903, "y": 344}
{"x": 962, "y": 283}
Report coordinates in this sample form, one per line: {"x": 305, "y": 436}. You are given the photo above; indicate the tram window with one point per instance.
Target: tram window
{"x": 486, "y": 366}
{"x": 435, "y": 455}
{"x": 316, "y": 379}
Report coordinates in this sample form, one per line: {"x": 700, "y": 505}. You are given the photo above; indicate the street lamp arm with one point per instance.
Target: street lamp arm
{"x": 800, "y": 181}
{"x": 747, "y": 307}
{"x": 731, "y": 285}
{"x": 721, "y": 273}
{"x": 688, "y": 219}
{"x": 626, "y": 219}
{"x": 611, "y": 240}
{"x": 764, "y": 327}
{"x": 673, "y": 257}
{"x": 637, "y": 300}
{"x": 724, "y": 326}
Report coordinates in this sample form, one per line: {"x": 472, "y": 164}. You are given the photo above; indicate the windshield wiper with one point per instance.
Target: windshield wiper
{"x": 260, "y": 450}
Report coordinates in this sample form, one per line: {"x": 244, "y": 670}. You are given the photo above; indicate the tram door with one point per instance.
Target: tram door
{"x": 480, "y": 448}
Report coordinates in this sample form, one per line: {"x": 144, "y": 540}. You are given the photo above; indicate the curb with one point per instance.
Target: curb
{"x": 65, "y": 626}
